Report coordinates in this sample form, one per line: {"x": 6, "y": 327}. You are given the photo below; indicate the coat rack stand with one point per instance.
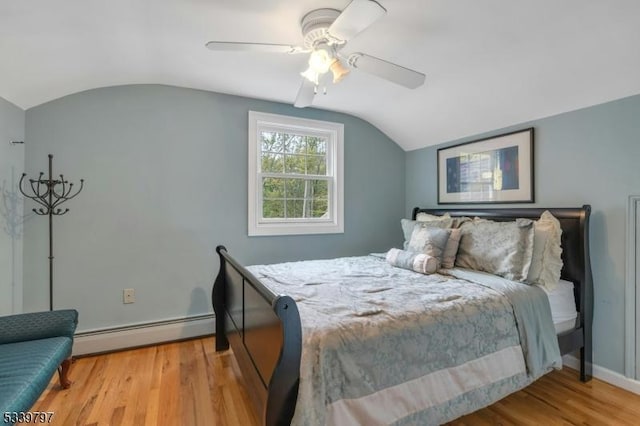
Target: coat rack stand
{"x": 49, "y": 194}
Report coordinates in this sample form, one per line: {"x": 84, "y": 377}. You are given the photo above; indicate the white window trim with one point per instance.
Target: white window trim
{"x": 335, "y": 153}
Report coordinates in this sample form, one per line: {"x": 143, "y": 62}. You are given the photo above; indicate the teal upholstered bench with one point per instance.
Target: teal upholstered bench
{"x": 32, "y": 347}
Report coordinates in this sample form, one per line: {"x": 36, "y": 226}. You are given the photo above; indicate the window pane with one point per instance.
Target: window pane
{"x": 318, "y": 207}
{"x": 316, "y": 145}
{"x": 318, "y": 198}
{"x": 295, "y": 144}
{"x": 306, "y": 188}
{"x": 295, "y": 188}
{"x": 294, "y": 198}
{"x": 273, "y": 209}
{"x": 271, "y": 142}
{"x": 317, "y": 165}
{"x": 319, "y": 189}
{"x": 302, "y": 154}
{"x": 295, "y": 208}
{"x": 271, "y": 162}
{"x": 272, "y": 188}
{"x": 294, "y": 164}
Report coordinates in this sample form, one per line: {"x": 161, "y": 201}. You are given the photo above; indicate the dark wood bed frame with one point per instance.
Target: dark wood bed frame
{"x": 264, "y": 328}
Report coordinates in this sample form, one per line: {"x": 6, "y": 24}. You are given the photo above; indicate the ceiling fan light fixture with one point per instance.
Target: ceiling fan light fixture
{"x": 320, "y": 60}
{"x": 338, "y": 70}
{"x": 311, "y": 75}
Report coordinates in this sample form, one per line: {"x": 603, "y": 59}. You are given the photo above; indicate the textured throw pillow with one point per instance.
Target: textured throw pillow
{"x": 500, "y": 248}
{"x": 451, "y": 249}
{"x": 417, "y": 262}
{"x": 546, "y": 261}
{"x": 408, "y": 225}
{"x": 429, "y": 240}
{"x": 458, "y": 221}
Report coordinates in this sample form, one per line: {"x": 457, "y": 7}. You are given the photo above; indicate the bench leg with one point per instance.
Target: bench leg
{"x": 63, "y": 372}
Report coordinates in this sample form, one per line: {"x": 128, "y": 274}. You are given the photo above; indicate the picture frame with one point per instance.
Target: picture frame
{"x": 494, "y": 170}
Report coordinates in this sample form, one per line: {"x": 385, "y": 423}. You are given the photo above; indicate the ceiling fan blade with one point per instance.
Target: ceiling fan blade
{"x": 235, "y": 46}
{"x": 357, "y": 16}
{"x": 387, "y": 70}
{"x": 305, "y": 94}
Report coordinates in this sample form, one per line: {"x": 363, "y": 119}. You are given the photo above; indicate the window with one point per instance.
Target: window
{"x": 295, "y": 175}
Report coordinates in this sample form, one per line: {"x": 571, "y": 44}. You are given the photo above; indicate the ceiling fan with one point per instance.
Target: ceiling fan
{"x": 326, "y": 32}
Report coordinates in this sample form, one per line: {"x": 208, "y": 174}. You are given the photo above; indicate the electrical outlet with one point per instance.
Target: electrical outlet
{"x": 128, "y": 295}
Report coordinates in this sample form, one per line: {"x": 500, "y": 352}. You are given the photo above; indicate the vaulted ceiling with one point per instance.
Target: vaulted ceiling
{"x": 489, "y": 63}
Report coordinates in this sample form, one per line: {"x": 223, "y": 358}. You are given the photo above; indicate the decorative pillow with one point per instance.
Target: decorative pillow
{"x": 426, "y": 217}
{"x": 500, "y": 248}
{"x": 546, "y": 261}
{"x": 408, "y": 225}
{"x": 451, "y": 249}
{"x": 429, "y": 240}
{"x": 458, "y": 221}
{"x": 417, "y": 262}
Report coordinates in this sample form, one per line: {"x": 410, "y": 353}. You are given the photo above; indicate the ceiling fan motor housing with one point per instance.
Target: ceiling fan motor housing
{"x": 315, "y": 24}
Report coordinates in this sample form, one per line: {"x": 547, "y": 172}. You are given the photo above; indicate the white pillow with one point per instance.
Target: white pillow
{"x": 426, "y": 217}
{"x": 546, "y": 260}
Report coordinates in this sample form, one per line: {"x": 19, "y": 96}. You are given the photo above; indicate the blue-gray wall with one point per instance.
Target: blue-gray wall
{"x": 589, "y": 156}
{"x": 166, "y": 181}
{"x": 11, "y": 207}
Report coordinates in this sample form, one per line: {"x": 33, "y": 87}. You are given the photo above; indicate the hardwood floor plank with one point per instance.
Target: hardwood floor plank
{"x": 188, "y": 383}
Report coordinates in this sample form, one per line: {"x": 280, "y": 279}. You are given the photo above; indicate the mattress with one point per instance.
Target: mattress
{"x": 563, "y": 306}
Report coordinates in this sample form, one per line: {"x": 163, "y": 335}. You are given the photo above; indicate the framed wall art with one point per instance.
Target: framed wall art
{"x": 498, "y": 169}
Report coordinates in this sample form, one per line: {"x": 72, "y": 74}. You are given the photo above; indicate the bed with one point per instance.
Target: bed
{"x": 263, "y": 325}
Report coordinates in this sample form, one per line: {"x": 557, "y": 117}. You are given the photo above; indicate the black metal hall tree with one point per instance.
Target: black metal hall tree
{"x": 50, "y": 194}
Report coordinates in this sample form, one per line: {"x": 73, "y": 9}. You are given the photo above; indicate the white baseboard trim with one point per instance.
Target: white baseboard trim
{"x": 105, "y": 340}
{"x": 606, "y": 375}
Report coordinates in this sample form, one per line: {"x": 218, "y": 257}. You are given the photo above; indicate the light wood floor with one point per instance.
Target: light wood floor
{"x": 188, "y": 383}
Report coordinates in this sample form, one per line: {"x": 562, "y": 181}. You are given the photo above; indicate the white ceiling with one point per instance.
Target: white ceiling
{"x": 489, "y": 63}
